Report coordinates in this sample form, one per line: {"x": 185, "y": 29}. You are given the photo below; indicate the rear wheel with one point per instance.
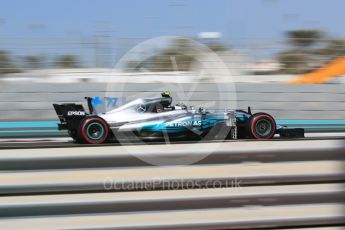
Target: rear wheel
{"x": 93, "y": 130}
{"x": 262, "y": 126}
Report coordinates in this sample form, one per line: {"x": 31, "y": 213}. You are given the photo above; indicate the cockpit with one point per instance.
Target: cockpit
{"x": 149, "y": 105}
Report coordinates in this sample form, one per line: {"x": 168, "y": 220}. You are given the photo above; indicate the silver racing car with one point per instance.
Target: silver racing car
{"x": 157, "y": 119}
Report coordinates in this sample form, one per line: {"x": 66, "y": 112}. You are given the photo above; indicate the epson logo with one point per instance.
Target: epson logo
{"x": 76, "y": 113}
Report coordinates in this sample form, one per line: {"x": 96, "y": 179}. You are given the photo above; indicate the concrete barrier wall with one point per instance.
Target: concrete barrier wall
{"x": 33, "y": 101}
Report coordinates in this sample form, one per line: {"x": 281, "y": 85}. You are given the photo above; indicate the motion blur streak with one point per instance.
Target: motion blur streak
{"x": 259, "y": 184}
{"x": 285, "y": 58}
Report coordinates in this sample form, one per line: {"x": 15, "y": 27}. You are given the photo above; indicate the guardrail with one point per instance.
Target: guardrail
{"x": 271, "y": 185}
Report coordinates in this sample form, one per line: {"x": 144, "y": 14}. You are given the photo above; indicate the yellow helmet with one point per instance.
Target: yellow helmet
{"x": 166, "y": 94}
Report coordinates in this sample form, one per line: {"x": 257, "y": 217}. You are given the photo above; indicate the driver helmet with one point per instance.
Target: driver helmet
{"x": 166, "y": 94}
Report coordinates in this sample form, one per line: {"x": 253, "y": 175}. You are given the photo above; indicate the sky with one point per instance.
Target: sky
{"x": 234, "y": 19}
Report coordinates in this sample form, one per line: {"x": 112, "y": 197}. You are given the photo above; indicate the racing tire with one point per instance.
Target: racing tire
{"x": 262, "y": 126}
{"x": 93, "y": 130}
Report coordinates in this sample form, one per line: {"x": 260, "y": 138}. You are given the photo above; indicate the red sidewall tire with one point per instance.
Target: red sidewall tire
{"x": 83, "y": 130}
{"x": 257, "y": 117}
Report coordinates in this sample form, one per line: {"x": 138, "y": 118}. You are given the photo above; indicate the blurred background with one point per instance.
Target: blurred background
{"x": 284, "y": 57}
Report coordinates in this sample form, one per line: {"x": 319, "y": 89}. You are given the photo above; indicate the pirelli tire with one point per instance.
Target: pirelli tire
{"x": 93, "y": 130}
{"x": 262, "y": 126}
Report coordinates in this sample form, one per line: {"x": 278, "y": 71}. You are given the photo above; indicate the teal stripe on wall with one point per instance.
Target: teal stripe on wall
{"x": 28, "y": 124}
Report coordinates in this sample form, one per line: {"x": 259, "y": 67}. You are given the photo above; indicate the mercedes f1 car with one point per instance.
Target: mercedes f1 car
{"x": 157, "y": 119}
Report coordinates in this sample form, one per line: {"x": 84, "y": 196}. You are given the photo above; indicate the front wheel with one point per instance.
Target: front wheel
{"x": 93, "y": 130}
{"x": 262, "y": 126}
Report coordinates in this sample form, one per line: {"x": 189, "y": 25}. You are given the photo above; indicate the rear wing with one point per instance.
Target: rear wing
{"x": 73, "y": 110}
{"x": 69, "y": 111}
{"x": 89, "y": 104}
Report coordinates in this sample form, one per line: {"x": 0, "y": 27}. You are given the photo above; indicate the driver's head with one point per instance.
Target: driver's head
{"x": 166, "y": 94}
{"x": 166, "y": 99}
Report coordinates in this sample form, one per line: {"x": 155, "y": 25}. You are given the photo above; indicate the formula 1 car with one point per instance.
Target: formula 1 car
{"x": 157, "y": 118}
